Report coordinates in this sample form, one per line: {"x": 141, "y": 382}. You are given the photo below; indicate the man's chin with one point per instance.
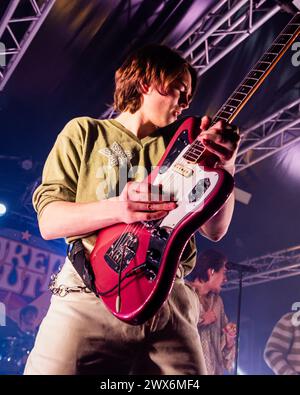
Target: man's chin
{"x": 166, "y": 122}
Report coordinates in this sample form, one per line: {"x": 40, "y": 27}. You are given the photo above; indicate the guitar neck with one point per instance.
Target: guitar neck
{"x": 259, "y": 72}
{"x": 246, "y": 89}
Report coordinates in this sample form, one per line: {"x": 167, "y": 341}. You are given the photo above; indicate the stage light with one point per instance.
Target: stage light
{"x": 288, "y": 160}
{"x": 2, "y": 209}
{"x": 27, "y": 164}
{"x": 297, "y": 3}
{"x": 241, "y": 372}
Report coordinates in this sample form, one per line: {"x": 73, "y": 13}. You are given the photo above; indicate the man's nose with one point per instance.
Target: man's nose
{"x": 183, "y": 101}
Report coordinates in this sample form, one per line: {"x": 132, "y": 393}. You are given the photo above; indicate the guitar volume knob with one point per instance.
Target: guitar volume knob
{"x": 154, "y": 255}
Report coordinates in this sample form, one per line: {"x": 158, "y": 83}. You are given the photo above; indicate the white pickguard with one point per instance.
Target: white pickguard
{"x": 181, "y": 186}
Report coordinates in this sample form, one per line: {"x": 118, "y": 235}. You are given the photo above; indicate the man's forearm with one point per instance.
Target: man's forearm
{"x": 64, "y": 219}
{"x": 276, "y": 360}
{"x": 217, "y": 226}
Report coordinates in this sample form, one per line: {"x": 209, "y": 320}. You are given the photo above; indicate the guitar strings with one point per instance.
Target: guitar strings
{"x": 138, "y": 226}
{"x": 135, "y": 228}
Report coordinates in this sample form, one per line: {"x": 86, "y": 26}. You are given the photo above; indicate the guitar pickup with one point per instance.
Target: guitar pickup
{"x": 183, "y": 170}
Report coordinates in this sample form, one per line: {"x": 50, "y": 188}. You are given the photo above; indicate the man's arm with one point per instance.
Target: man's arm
{"x": 64, "y": 219}
{"x": 278, "y": 346}
{"x": 217, "y": 226}
{"x": 228, "y": 339}
{"x": 223, "y": 141}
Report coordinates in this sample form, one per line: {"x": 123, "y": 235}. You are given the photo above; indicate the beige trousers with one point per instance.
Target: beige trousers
{"x": 80, "y": 336}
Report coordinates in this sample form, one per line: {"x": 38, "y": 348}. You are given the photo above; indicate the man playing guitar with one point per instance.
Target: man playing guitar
{"x": 86, "y": 187}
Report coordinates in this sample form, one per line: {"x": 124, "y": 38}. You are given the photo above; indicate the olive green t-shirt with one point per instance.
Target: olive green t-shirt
{"x": 93, "y": 160}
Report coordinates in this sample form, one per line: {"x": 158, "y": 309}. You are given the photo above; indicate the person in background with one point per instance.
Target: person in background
{"x": 27, "y": 320}
{"x": 27, "y": 330}
{"x": 217, "y": 335}
{"x": 282, "y": 351}
{"x": 15, "y": 348}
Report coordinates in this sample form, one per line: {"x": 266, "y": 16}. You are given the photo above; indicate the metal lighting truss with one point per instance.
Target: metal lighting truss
{"x": 132, "y": 6}
{"x": 11, "y": 24}
{"x": 269, "y": 136}
{"x": 222, "y": 29}
{"x": 270, "y": 267}
{"x": 218, "y": 32}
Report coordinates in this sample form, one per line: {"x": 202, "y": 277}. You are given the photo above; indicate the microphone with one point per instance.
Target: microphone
{"x": 240, "y": 268}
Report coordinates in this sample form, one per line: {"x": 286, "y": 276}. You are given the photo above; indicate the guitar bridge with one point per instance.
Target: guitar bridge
{"x": 122, "y": 252}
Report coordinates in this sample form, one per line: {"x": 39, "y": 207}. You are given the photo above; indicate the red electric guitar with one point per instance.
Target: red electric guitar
{"x": 135, "y": 265}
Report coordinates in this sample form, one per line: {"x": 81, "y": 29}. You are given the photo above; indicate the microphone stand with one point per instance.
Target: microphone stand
{"x": 240, "y": 269}
{"x": 237, "y": 339}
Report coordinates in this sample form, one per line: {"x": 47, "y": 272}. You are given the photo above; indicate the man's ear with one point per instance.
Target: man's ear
{"x": 195, "y": 281}
{"x": 210, "y": 273}
{"x": 145, "y": 88}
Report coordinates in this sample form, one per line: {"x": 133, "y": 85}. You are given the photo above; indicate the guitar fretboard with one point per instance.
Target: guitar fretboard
{"x": 251, "y": 82}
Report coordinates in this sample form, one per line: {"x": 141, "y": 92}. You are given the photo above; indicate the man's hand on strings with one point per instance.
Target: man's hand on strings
{"x": 221, "y": 139}
{"x": 140, "y": 201}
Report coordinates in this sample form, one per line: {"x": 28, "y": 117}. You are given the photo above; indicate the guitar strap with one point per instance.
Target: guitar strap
{"x": 76, "y": 254}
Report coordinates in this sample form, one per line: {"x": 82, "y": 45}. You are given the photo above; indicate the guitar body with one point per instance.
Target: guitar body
{"x": 138, "y": 262}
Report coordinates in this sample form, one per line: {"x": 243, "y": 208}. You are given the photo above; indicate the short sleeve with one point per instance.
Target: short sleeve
{"x": 61, "y": 170}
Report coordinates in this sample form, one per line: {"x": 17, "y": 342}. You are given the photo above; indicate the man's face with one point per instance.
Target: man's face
{"x": 161, "y": 110}
{"x": 217, "y": 279}
{"x": 29, "y": 318}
